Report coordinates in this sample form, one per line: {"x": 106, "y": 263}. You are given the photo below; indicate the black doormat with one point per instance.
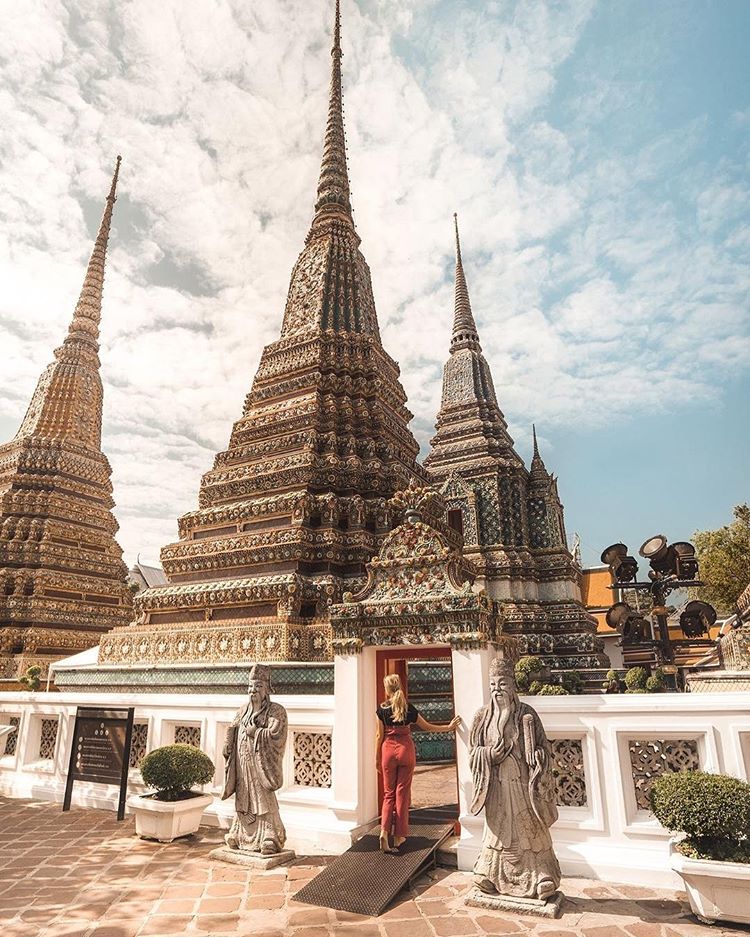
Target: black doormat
{"x": 365, "y": 880}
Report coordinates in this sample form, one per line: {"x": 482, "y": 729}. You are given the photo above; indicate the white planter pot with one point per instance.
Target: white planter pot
{"x": 166, "y": 820}
{"x": 718, "y": 891}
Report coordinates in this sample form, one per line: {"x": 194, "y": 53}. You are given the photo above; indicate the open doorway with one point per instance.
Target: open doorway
{"x": 427, "y": 677}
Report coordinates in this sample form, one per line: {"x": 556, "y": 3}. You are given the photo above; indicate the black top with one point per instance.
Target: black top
{"x": 386, "y": 716}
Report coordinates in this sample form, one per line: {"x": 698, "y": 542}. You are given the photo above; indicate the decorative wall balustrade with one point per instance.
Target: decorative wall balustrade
{"x": 312, "y": 759}
{"x": 138, "y": 744}
{"x": 569, "y": 772}
{"x": 606, "y": 751}
{"x": 11, "y": 740}
{"x": 187, "y": 735}
{"x": 48, "y": 739}
{"x": 650, "y": 758}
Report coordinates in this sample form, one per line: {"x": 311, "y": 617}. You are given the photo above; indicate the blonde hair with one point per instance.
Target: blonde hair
{"x": 396, "y": 698}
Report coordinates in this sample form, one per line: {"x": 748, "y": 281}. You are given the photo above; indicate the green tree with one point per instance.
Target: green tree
{"x": 724, "y": 557}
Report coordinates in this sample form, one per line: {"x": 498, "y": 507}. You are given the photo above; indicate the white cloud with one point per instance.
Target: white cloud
{"x": 579, "y": 273}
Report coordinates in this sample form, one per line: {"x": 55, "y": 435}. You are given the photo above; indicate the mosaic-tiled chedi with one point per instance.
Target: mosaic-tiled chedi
{"x": 62, "y": 578}
{"x": 297, "y": 504}
{"x": 511, "y": 518}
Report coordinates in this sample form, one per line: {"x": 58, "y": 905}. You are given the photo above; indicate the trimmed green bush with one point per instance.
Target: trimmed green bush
{"x": 32, "y": 679}
{"x": 527, "y": 670}
{"x": 553, "y": 689}
{"x": 534, "y": 688}
{"x": 655, "y": 683}
{"x": 712, "y": 810}
{"x": 174, "y": 769}
{"x": 612, "y": 683}
{"x": 572, "y": 682}
{"x": 635, "y": 678}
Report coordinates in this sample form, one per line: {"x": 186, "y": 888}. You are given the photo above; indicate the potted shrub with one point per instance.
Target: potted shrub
{"x": 173, "y": 809}
{"x": 712, "y": 811}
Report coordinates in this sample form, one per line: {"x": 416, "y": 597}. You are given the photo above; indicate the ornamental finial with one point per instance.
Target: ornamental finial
{"x": 464, "y": 328}
{"x": 333, "y": 183}
{"x": 538, "y": 468}
{"x": 84, "y": 328}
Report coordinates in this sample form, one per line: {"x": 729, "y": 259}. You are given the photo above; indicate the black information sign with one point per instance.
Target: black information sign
{"x": 101, "y": 750}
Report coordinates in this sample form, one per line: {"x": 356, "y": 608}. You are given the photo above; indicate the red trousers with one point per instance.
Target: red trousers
{"x": 399, "y": 759}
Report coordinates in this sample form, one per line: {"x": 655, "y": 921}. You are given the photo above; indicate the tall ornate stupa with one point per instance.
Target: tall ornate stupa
{"x": 298, "y": 502}
{"x": 62, "y": 578}
{"x": 511, "y": 518}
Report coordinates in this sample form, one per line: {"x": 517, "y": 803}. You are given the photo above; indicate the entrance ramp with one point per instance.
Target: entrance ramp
{"x": 365, "y": 880}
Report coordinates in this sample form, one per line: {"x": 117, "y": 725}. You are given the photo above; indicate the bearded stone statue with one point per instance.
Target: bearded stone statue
{"x": 511, "y": 762}
{"x": 253, "y": 757}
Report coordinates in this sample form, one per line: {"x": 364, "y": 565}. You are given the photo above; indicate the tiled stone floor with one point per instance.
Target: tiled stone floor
{"x": 434, "y": 784}
{"x": 81, "y": 873}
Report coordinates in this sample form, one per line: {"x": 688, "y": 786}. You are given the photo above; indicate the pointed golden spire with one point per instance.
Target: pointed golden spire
{"x": 333, "y": 184}
{"x": 85, "y": 324}
{"x": 464, "y": 328}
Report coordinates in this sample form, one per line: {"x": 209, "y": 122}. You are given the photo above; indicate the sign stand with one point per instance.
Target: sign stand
{"x": 100, "y": 752}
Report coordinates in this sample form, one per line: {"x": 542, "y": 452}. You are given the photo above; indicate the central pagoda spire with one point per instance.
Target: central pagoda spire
{"x": 333, "y": 184}
{"x": 330, "y": 288}
{"x": 299, "y": 502}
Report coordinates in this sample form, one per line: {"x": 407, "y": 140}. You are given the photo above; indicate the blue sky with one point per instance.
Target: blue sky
{"x": 597, "y": 154}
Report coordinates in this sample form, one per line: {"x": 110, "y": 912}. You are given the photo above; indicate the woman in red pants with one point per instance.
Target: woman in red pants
{"x": 396, "y": 758}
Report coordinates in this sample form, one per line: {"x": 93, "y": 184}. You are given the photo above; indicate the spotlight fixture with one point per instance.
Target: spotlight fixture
{"x": 631, "y": 624}
{"x": 661, "y": 557}
{"x": 696, "y": 619}
{"x": 624, "y": 568}
{"x": 687, "y": 561}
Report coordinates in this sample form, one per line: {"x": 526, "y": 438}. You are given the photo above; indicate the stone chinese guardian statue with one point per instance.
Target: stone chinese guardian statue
{"x": 511, "y": 770}
{"x": 253, "y": 756}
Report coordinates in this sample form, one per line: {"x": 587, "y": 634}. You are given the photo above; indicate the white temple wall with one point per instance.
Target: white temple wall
{"x": 606, "y": 748}
{"x": 39, "y": 763}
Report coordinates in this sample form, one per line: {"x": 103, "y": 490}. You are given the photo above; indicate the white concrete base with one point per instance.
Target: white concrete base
{"x": 717, "y": 891}
{"x": 533, "y": 906}
{"x": 252, "y": 860}
{"x": 167, "y": 820}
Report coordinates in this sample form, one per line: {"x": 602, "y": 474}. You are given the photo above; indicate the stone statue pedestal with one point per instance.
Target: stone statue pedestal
{"x": 549, "y": 908}
{"x": 252, "y": 860}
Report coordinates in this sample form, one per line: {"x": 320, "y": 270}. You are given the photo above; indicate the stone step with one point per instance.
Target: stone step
{"x": 447, "y": 854}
